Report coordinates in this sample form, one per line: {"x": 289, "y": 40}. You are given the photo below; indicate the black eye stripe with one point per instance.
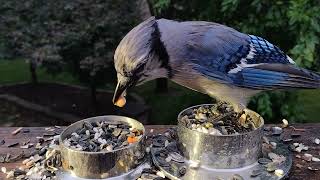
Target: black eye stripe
{"x": 139, "y": 69}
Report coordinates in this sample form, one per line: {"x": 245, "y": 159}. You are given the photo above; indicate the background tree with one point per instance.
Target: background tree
{"x": 27, "y": 30}
{"x": 78, "y": 36}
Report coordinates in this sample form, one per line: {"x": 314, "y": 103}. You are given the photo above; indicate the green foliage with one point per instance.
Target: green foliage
{"x": 293, "y": 25}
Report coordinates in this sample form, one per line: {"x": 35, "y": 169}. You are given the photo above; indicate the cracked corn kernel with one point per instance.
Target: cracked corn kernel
{"x": 132, "y": 139}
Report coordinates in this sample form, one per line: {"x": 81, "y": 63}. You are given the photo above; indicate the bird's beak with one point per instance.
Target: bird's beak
{"x": 119, "y": 95}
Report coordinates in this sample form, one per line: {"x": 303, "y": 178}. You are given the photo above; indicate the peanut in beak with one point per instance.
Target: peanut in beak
{"x": 121, "y": 101}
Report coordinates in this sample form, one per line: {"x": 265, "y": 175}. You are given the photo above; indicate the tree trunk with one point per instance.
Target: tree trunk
{"x": 162, "y": 85}
{"x": 93, "y": 91}
{"x": 34, "y": 78}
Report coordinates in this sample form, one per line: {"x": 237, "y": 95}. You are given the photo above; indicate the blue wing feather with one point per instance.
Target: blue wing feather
{"x": 265, "y": 52}
{"x": 228, "y": 56}
{"x": 261, "y": 77}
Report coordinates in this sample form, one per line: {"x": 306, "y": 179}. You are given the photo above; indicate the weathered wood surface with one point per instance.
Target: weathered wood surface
{"x": 310, "y": 132}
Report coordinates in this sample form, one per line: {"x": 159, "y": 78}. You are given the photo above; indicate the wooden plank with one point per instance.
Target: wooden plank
{"x": 311, "y": 131}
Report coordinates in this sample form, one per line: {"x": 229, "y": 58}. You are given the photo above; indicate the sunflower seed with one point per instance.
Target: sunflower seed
{"x": 287, "y": 140}
{"x": 264, "y": 161}
{"x": 313, "y": 169}
{"x": 25, "y": 130}
{"x": 295, "y": 135}
{"x": 176, "y": 157}
{"x": 148, "y": 176}
{"x": 162, "y": 162}
{"x": 3, "y": 169}
{"x": 117, "y": 132}
{"x": 221, "y": 117}
{"x": 315, "y": 159}
{"x": 13, "y": 144}
{"x": 15, "y": 132}
{"x": 237, "y": 177}
{"x": 182, "y": 170}
{"x": 10, "y": 175}
{"x": 104, "y": 135}
{"x": 18, "y": 172}
{"x": 276, "y": 130}
{"x": 256, "y": 172}
{"x": 27, "y": 146}
{"x": 307, "y": 157}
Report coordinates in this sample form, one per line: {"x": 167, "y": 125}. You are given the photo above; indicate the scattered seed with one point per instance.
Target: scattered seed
{"x": 27, "y": 146}
{"x": 256, "y": 172}
{"x": 12, "y": 144}
{"x": 273, "y": 144}
{"x": 237, "y": 177}
{"x": 301, "y": 147}
{"x": 285, "y": 123}
{"x": 315, "y": 159}
{"x": 295, "y": 135}
{"x": 148, "y": 176}
{"x": 182, "y": 170}
{"x": 287, "y": 140}
{"x": 2, "y": 142}
{"x": 194, "y": 164}
{"x": 10, "y": 175}
{"x": 176, "y": 157}
{"x": 161, "y": 174}
{"x": 317, "y": 141}
{"x": 49, "y": 134}
{"x": 279, "y": 172}
{"x": 15, "y": 132}
{"x": 264, "y": 161}
{"x": 313, "y": 169}
{"x": 24, "y": 130}
{"x": 276, "y": 130}
{"x": 4, "y": 169}
{"x": 307, "y": 157}
{"x": 49, "y": 129}
{"x": 271, "y": 167}
{"x": 168, "y": 159}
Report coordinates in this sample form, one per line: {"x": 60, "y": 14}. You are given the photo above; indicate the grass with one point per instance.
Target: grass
{"x": 165, "y": 107}
{"x": 13, "y": 71}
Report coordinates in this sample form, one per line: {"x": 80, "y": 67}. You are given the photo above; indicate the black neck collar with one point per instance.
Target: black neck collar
{"x": 159, "y": 49}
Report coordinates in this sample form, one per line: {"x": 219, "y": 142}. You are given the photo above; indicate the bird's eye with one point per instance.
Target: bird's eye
{"x": 139, "y": 69}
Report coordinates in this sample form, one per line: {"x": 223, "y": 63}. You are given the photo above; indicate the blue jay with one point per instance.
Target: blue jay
{"x": 207, "y": 57}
